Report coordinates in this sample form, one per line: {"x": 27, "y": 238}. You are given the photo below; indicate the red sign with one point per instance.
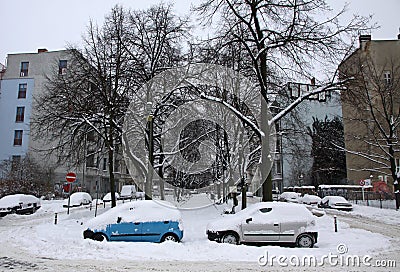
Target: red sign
{"x": 66, "y": 188}
{"x": 71, "y": 177}
{"x": 362, "y": 182}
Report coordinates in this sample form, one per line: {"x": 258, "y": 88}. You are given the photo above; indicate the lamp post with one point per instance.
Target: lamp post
{"x": 301, "y": 179}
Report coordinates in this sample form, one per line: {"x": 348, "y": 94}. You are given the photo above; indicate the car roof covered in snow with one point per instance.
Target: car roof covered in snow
{"x": 13, "y": 200}
{"x": 137, "y": 211}
{"x": 334, "y": 199}
{"x": 283, "y": 210}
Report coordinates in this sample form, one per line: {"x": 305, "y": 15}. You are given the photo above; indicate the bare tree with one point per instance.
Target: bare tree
{"x": 92, "y": 97}
{"x": 285, "y": 37}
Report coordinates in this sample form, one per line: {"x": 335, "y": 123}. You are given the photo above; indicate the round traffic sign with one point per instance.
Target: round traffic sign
{"x": 71, "y": 177}
{"x": 362, "y": 182}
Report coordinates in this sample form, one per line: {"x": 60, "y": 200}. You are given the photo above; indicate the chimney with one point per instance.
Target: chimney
{"x": 42, "y": 50}
{"x": 363, "y": 39}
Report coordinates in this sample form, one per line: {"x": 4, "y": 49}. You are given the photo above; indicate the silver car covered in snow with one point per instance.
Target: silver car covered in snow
{"x": 266, "y": 222}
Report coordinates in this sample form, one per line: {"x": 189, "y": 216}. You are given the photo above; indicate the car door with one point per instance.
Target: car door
{"x": 153, "y": 231}
{"x": 125, "y": 231}
{"x": 261, "y": 227}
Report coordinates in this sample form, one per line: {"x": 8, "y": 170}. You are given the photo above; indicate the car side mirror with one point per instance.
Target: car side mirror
{"x": 119, "y": 219}
{"x": 248, "y": 220}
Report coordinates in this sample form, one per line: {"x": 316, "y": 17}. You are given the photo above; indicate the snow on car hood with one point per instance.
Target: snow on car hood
{"x": 137, "y": 211}
{"x": 281, "y": 213}
{"x": 14, "y": 200}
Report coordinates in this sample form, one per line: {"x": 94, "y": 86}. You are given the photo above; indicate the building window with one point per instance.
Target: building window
{"x": 294, "y": 90}
{"x": 278, "y": 146}
{"x": 104, "y": 164}
{"x": 278, "y": 167}
{"x": 62, "y": 67}
{"x": 387, "y": 77}
{"x": 20, "y": 114}
{"x": 22, "y": 90}
{"x": 90, "y": 136}
{"x": 90, "y": 161}
{"x": 24, "y": 69}
{"x": 18, "y": 137}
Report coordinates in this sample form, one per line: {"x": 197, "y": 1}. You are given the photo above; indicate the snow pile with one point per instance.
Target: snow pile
{"x": 387, "y": 216}
{"x": 136, "y": 211}
{"x": 38, "y": 234}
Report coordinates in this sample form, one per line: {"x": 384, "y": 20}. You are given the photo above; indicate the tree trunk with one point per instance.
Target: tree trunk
{"x": 266, "y": 175}
{"x": 111, "y": 174}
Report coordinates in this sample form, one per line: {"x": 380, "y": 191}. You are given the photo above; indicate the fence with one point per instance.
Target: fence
{"x": 374, "y": 199}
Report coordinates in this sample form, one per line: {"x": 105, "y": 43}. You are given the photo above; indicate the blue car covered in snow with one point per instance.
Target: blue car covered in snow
{"x": 137, "y": 221}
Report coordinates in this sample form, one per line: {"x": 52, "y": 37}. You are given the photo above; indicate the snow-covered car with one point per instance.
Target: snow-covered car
{"x": 289, "y": 197}
{"x": 97, "y": 202}
{"x": 266, "y": 222}
{"x": 128, "y": 192}
{"x": 78, "y": 199}
{"x": 137, "y": 221}
{"x": 310, "y": 199}
{"x": 335, "y": 202}
{"x": 19, "y": 204}
{"x": 107, "y": 197}
{"x": 140, "y": 195}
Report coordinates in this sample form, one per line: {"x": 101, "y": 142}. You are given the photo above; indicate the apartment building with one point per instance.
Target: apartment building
{"x": 373, "y": 93}
{"x": 23, "y": 79}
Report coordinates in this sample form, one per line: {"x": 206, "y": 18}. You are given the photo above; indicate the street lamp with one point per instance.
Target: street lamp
{"x": 301, "y": 179}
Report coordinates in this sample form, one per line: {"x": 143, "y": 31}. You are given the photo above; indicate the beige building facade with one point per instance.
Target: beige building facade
{"x": 371, "y": 110}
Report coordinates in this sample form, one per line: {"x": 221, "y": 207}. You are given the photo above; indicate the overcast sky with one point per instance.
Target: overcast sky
{"x": 31, "y": 24}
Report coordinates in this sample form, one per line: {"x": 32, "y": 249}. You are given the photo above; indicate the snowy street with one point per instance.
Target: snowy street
{"x": 35, "y": 243}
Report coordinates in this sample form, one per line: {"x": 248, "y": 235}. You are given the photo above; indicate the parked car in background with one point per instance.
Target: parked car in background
{"x": 19, "y": 204}
{"x": 335, "y": 202}
{"x": 310, "y": 199}
{"x": 289, "y": 197}
{"x": 266, "y": 222}
{"x": 78, "y": 199}
{"x": 140, "y": 195}
{"x": 128, "y": 192}
{"x": 107, "y": 197}
{"x": 97, "y": 201}
{"x": 137, "y": 221}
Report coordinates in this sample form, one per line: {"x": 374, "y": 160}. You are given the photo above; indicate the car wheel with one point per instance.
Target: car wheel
{"x": 99, "y": 237}
{"x": 305, "y": 240}
{"x": 170, "y": 237}
{"x": 230, "y": 238}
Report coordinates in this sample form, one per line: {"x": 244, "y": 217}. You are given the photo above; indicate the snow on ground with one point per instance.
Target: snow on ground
{"x": 41, "y": 236}
{"x": 387, "y": 216}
